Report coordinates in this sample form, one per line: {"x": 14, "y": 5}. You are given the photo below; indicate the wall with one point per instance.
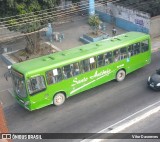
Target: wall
{"x": 125, "y": 18}
{"x": 155, "y": 26}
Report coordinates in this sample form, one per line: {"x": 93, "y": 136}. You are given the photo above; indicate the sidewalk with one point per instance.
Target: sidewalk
{"x": 74, "y": 30}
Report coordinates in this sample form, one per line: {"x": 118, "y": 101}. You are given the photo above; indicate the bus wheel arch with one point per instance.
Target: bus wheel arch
{"x": 59, "y": 98}
{"x": 120, "y": 75}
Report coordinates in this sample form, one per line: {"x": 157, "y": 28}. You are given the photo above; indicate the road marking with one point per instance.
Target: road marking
{"x": 130, "y": 121}
{"x": 135, "y": 120}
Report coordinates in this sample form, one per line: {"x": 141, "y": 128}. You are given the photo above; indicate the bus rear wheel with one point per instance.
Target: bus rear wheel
{"x": 59, "y": 99}
{"x": 121, "y": 74}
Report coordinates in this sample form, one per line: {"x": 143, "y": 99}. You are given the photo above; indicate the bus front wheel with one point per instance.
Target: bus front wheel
{"x": 120, "y": 75}
{"x": 59, "y": 99}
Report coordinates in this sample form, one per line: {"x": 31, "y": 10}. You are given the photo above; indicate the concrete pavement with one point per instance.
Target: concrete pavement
{"x": 75, "y": 29}
{"x": 72, "y": 31}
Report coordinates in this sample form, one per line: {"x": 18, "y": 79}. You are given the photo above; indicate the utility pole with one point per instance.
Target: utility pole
{"x": 91, "y": 7}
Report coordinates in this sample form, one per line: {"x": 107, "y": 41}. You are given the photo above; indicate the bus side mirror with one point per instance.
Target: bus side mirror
{"x": 9, "y": 67}
{"x": 8, "y": 73}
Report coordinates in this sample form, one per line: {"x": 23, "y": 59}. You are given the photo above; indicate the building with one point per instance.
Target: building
{"x": 131, "y": 17}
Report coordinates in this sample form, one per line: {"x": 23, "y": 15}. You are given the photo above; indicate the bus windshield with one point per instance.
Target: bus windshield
{"x": 19, "y": 84}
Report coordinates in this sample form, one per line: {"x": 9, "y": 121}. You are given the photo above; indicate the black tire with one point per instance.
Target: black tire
{"x": 121, "y": 74}
{"x": 59, "y": 99}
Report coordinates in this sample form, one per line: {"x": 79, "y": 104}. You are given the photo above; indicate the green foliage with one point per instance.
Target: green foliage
{"x": 27, "y": 16}
{"x": 27, "y": 11}
{"x": 74, "y": 1}
{"x": 94, "y": 21}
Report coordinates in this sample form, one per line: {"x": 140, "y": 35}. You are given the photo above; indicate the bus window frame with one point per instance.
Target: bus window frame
{"x": 51, "y": 70}
{"x": 27, "y": 85}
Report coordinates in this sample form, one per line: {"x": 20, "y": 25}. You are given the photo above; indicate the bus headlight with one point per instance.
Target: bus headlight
{"x": 158, "y": 84}
{"x": 149, "y": 79}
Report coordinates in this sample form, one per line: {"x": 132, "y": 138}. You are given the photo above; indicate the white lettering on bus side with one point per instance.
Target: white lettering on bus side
{"x": 102, "y": 73}
{"x": 96, "y": 75}
{"x": 79, "y": 81}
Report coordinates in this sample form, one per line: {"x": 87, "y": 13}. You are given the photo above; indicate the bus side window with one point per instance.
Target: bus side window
{"x": 136, "y": 48}
{"x": 116, "y": 55}
{"x": 67, "y": 71}
{"x": 123, "y": 53}
{"x": 36, "y": 84}
{"x": 108, "y": 58}
{"x": 85, "y": 65}
{"x": 54, "y": 76}
{"x": 100, "y": 60}
{"x": 76, "y": 69}
{"x": 130, "y": 51}
{"x": 88, "y": 64}
{"x": 144, "y": 46}
{"x": 92, "y": 62}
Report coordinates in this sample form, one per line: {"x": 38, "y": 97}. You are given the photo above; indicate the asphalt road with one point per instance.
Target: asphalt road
{"x": 150, "y": 125}
{"x": 89, "y": 111}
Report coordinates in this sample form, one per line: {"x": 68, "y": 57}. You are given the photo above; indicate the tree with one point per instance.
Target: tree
{"x": 26, "y": 16}
{"x": 94, "y": 22}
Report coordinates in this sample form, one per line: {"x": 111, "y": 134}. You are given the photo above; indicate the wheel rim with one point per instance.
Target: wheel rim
{"x": 59, "y": 99}
{"x": 120, "y": 75}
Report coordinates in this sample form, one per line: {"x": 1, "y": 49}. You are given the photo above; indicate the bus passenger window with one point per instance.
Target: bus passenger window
{"x": 123, "y": 53}
{"x": 136, "y": 48}
{"x": 88, "y": 64}
{"x": 36, "y": 84}
{"x": 76, "y": 69}
{"x": 85, "y": 65}
{"x": 92, "y": 63}
{"x": 108, "y": 58}
{"x": 130, "y": 51}
{"x": 100, "y": 60}
{"x": 144, "y": 46}
{"x": 54, "y": 76}
{"x": 116, "y": 55}
{"x": 67, "y": 71}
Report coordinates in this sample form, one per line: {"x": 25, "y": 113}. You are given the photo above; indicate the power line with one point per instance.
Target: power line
{"x": 22, "y": 15}
{"x": 81, "y": 9}
{"x": 23, "y": 34}
{"x": 52, "y": 14}
{"x": 68, "y": 13}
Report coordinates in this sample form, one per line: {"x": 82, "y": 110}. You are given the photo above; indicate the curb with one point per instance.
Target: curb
{"x": 9, "y": 60}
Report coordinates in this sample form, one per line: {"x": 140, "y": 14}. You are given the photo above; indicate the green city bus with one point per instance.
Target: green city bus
{"x": 52, "y": 78}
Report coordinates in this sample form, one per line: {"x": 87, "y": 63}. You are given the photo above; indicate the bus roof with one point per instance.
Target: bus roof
{"x": 65, "y": 57}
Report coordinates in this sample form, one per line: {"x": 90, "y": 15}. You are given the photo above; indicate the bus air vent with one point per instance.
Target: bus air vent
{"x": 51, "y": 57}
{"x": 63, "y": 54}
{"x": 45, "y": 59}
{"x": 118, "y": 39}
